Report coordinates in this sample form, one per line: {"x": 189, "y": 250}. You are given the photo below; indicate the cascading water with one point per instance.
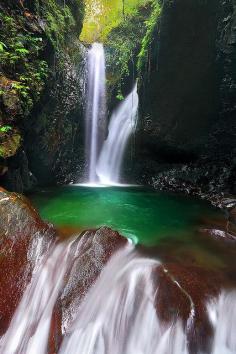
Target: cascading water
{"x": 125, "y": 322}
{"x": 122, "y": 125}
{"x": 105, "y": 158}
{"x": 29, "y": 329}
{"x": 118, "y": 314}
{"x": 96, "y": 107}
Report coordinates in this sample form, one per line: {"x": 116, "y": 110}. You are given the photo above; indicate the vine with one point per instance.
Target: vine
{"x": 147, "y": 40}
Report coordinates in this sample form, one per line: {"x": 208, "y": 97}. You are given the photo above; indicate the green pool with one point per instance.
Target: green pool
{"x": 144, "y": 215}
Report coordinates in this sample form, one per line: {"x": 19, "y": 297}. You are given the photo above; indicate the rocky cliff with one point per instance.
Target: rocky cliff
{"x": 41, "y": 91}
{"x": 183, "y": 53}
{"x": 187, "y": 132}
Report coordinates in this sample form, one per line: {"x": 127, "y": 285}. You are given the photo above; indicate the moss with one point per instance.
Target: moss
{"x": 10, "y": 141}
{"x": 123, "y": 46}
{"x": 147, "y": 40}
{"x": 24, "y": 36}
{"x": 59, "y": 21}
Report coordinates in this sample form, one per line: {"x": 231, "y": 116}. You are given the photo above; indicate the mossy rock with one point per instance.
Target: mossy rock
{"x": 10, "y": 99}
{"x": 10, "y": 142}
{"x": 123, "y": 45}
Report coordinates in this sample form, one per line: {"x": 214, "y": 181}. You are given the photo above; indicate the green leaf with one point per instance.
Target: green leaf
{"x": 22, "y": 51}
{"x": 120, "y": 97}
{"x": 5, "y": 128}
{"x": 2, "y": 46}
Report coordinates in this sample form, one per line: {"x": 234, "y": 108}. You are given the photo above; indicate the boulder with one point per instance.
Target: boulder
{"x": 92, "y": 251}
{"x": 20, "y": 230}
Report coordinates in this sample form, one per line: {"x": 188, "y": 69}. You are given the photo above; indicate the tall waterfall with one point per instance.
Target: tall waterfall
{"x": 122, "y": 124}
{"x": 104, "y": 157}
{"x": 96, "y": 107}
{"x": 117, "y": 315}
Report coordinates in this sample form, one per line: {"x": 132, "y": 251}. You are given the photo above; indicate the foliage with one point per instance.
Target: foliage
{"x": 101, "y": 16}
{"x": 18, "y": 51}
{"x": 123, "y": 45}
{"x": 150, "y": 24}
{"x": 59, "y": 21}
{"x": 23, "y": 39}
{"x": 119, "y": 96}
{"x": 10, "y": 141}
{"x": 35, "y": 36}
{"x": 2, "y": 46}
{"x": 5, "y": 128}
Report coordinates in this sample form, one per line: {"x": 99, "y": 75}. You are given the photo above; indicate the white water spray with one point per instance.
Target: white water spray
{"x": 29, "y": 329}
{"x": 96, "y": 107}
{"x": 122, "y": 125}
{"x": 222, "y": 312}
{"x": 117, "y": 315}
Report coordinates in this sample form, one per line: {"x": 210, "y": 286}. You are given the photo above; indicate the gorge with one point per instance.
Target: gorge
{"x": 117, "y": 177}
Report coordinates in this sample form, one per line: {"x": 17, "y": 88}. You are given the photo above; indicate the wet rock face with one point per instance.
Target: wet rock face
{"x": 187, "y": 118}
{"x": 91, "y": 253}
{"x": 41, "y": 101}
{"x": 227, "y": 55}
{"x": 182, "y": 286}
{"x": 175, "y": 105}
{"x": 24, "y": 237}
{"x": 183, "y": 292}
{"x": 55, "y": 133}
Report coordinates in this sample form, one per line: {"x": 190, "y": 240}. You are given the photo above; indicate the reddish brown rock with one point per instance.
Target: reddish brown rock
{"x": 183, "y": 292}
{"x": 92, "y": 251}
{"x": 24, "y": 237}
{"x": 20, "y": 228}
{"x": 220, "y": 235}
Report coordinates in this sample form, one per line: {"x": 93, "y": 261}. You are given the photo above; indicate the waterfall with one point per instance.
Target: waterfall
{"x": 96, "y": 107}
{"x": 222, "y": 312}
{"x": 123, "y": 320}
{"x": 29, "y": 329}
{"x": 118, "y": 314}
{"x": 122, "y": 125}
{"x": 104, "y": 158}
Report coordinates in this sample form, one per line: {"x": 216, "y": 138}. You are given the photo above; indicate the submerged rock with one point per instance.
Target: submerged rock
{"x": 220, "y": 235}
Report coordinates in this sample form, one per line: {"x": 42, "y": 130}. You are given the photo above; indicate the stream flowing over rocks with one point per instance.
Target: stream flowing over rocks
{"x": 49, "y": 290}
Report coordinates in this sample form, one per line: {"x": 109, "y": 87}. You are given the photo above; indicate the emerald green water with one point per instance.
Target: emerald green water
{"x": 145, "y": 216}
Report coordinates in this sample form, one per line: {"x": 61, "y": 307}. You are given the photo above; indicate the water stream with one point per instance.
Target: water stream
{"x": 105, "y": 156}
{"x": 29, "y": 329}
{"x": 96, "y": 108}
{"x": 122, "y": 125}
{"x": 133, "y": 326}
{"x": 118, "y": 314}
